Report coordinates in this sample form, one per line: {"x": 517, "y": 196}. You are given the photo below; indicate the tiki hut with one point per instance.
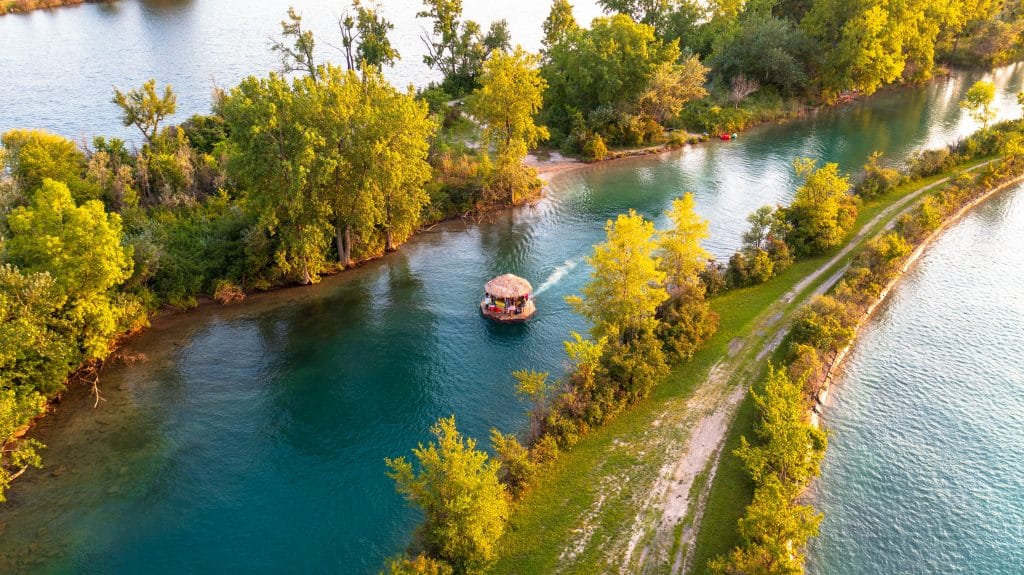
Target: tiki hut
{"x": 507, "y": 299}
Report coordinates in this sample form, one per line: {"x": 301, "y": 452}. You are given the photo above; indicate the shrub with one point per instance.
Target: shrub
{"x": 594, "y": 148}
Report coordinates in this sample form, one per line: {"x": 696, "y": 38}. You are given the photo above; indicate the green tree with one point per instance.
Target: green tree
{"x": 822, "y": 211}
{"x": 364, "y": 37}
{"x": 613, "y": 77}
{"x": 625, "y": 288}
{"x": 298, "y": 56}
{"x": 144, "y": 108}
{"x": 81, "y": 248}
{"x": 458, "y": 49}
{"x": 978, "y": 102}
{"x": 559, "y": 23}
{"x": 682, "y": 257}
{"x": 773, "y": 533}
{"x": 770, "y": 51}
{"x": 34, "y": 155}
{"x": 508, "y": 99}
{"x": 457, "y": 487}
{"x": 274, "y": 157}
{"x": 863, "y": 52}
{"x": 789, "y": 447}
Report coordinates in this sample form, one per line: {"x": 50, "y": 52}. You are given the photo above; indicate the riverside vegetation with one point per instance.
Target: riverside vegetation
{"x": 300, "y": 174}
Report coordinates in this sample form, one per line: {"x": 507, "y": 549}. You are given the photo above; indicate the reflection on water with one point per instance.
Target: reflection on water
{"x": 924, "y": 472}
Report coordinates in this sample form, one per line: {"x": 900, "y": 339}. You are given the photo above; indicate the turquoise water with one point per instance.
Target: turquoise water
{"x": 251, "y": 438}
{"x": 925, "y": 467}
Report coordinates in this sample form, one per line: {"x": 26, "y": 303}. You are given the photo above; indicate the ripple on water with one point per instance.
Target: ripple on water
{"x": 924, "y": 472}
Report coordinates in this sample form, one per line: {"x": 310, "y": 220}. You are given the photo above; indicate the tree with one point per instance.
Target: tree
{"x": 682, "y": 257}
{"x": 457, "y": 488}
{"x": 671, "y": 86}
{"x": 506, "y": 103}
{"x": 364, "y": 37}
{"x": 274, "y": 157}
{"x": 299, "y": 56}
{"x": 822, "y": 211}
{"x": 865, "y": 52}
{"x": 419, "y": 565}
{"x": 81, "y": 248}
{"x": 625, "y": 288}
{"x": 458, "y": 49}
{"x": 978, "y": 102}
{"x": 616, "y": 69}
{"x": 34, "y": 155}
{"x": 789, "y": 447}
{"x": 773, "y": 532}
{"x": 559, "y": 24}
{"x": 144, "y": 109}
{"x": 767, "y": 51}
{"x": 740, "y": 87}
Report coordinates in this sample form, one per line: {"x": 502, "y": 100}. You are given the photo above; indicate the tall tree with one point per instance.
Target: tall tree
{"x": 682, "y": 257}
{"x": 509, "y": 98}
{"x": 625, "y": 288}
{"x": 296, "y": 46}
{"x": 559, "y": 23}
{"x": 364, "y": 37}
{"x": 458, "y": 48}
{"x": 81, "y": 248}
{"x": 457, "y": 488}
{"x": 144, "y": 108}
{"x": 274, "y": 156}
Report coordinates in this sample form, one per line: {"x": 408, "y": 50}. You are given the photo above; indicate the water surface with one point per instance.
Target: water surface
{"x": 924, "y": 471}
{"x": 251, "y": 438}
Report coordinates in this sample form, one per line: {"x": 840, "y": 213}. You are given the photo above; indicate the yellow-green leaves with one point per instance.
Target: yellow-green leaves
{"x": 978, "y": 102}
{"x": 510, "y": 96}
{"x": 457, "y": 487}
{"x": 144, "y": 108}
{"x": 682, "y": 257}
{"x": 627, "y": 284}
{"x": 80, "y": 246}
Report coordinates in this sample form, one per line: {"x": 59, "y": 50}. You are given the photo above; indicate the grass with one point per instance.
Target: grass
{"x": 617, "y": 463}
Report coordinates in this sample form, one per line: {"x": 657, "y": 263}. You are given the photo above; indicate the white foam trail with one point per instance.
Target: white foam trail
{"x": 556, "y": 276}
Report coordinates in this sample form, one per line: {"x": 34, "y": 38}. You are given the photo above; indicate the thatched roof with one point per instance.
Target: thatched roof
{"x": 509, "y": 286}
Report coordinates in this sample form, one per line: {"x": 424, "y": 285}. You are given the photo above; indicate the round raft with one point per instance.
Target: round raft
{"x": 507, "y": 300}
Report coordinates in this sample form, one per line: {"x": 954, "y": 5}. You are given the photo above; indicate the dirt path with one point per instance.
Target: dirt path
{"x": 665, "y": 528}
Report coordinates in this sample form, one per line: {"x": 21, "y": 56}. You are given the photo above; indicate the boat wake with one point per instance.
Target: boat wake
{"x": 556, "y": 276}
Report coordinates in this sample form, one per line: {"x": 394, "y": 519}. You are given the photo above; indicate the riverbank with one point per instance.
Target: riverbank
{"x": 837, "y": 364}
{"x": 733, "y": 489}
{"x": 631, "y": 494}
{"x": 22, "y": 6}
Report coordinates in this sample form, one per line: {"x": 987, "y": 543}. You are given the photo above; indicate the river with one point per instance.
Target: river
{"x": 924, "y": 472}
{"x": 251, "y": 438}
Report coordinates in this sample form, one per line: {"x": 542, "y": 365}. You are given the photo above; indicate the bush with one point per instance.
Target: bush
{"x": 594, "y": 148}
{"x": 227, "y": 292}
{"x": 930, "y": 162}
{"x": 878, "y": 180}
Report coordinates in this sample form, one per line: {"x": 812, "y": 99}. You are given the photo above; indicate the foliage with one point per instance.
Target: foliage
{"x": 508, "y": 99}
{"x": 978, "y": 102}
{"x": 614, "y": 75}
{"x": 626, "y": 282}
{"x": 878, "y": 180}
{"x": 517, "y": 468}
{"x": 559, "y": 23}
{"x": 766, "y": 50}
{"x": 457, "y": 488}
{"x": 822, "y": 211}
{"x": 682, "y": 257}
{"x": 34, "y": 155}
{"x": 365, "y": 38}
{"x": 297, "y": 57}
{"x": 459, "y": 48}
{"x": 80, "y": 247}
{"x": 419, "y": 565}
{"x": 144, "y": 108}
